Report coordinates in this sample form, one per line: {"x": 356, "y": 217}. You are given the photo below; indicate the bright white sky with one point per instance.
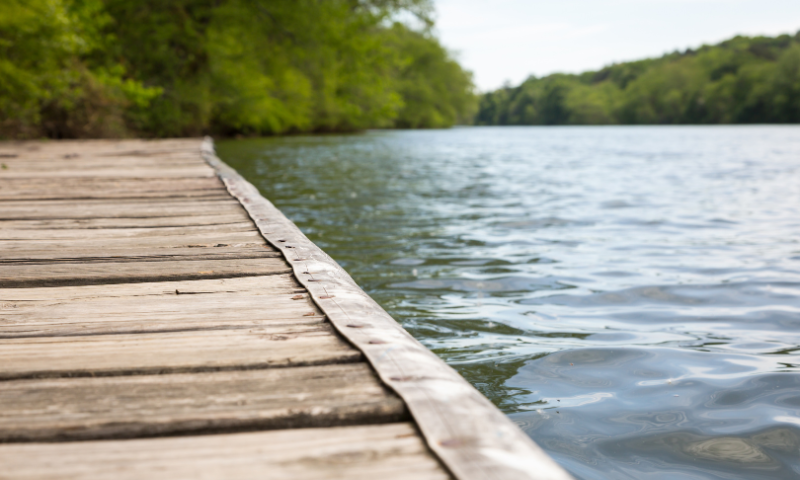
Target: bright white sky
{"x": 508, "y": 40}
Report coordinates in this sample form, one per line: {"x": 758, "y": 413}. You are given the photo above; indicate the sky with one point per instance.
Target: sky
{"x": 508, "y": 40}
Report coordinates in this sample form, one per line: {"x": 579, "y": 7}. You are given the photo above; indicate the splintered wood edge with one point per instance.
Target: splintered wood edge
{"x": 463, "y": 428}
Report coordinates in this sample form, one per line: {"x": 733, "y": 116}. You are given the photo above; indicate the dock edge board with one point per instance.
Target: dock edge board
{"x": 471, "y": 437}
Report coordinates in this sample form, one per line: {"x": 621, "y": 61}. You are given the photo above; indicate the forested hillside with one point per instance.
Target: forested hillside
{"x": 107, "y": 68}
{"x": 742, "y": 80}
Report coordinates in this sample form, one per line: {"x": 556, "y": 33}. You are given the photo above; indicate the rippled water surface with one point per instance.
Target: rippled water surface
{"x": 630, "y": 296}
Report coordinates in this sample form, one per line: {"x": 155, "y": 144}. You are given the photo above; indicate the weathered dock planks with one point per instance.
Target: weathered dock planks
{"x": 392, "y": 451}
{"x": 276, "y": 398}
{"x": 160, "y": 319}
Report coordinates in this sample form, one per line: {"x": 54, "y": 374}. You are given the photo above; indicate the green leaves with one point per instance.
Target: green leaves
{"x": 76, "y": 68}
{"x": 434, "y": 90}
{"x": 742, "y": 80}
{"x": 54, "y": 80}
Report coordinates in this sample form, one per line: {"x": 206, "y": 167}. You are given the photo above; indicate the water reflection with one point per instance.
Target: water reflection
{"x": 662, "y": 412}
{"x": 630, "y": 296}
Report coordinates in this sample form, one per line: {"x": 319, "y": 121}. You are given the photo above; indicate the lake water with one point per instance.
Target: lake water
{"x": 630, "y": 296}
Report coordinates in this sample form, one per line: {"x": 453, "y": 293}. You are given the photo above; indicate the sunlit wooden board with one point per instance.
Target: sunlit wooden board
{"x": 93, "y": 273}
{"x": 210, "y": 218}
{"x": 43, "y": 188}
{"x": 386, "y": 452}
{"x": 117, "y": 208}
{"x": 160, "y": 307}
{"x": 129, "y": 172}
{"x": 155, "y": 405}
{"x": 273, "y": 284}
{"x": 173, "y": 352}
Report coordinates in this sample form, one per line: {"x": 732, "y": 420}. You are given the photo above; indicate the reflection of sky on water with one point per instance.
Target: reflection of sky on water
{"x": 581, "y": 277}
{"x": 664, "y": 411}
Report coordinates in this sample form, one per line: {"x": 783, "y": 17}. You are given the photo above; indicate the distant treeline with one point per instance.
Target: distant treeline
{"x": 103, "y": 68}
{"x": 742, "y": 80}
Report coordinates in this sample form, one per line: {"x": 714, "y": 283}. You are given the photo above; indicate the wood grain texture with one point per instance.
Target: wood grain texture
{"x": 86, "y": 254}
{"x": 17, "y": 248}
{"x": 469, "y": 434}
{"x": 210, "y": 218}
{"x": 173, "y": 352}
{"x": 93, "y": 273}
{"x": 118, "y": 162}
{"x": 157, "y": 405}
{"x": 123, "y": 232}
{"x": 118, "y": 208}
{"x": 131, "y": 172}
{"x": 386, "y": 452}
{"x": 65, "y": 149}
{"x": 28, "y": 189}
{"x": 273, "y": 284}
{"x": 45, "y": 165}
{"x": 173, "y": 306}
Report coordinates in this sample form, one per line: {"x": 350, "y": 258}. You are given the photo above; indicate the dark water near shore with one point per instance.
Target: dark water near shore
{"x": 630, "y": 296}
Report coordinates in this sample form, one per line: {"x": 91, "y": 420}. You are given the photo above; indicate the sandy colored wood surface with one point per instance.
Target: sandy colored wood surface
{"x": 386, "y": 452}
{"x": 157, "y": 405}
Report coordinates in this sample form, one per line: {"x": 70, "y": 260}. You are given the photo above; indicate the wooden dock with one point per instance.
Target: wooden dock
{"x": 160, "y": 319}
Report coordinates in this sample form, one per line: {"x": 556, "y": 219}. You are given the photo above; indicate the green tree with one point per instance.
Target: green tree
{"x": 188, "y": 67}
{"x": 50, "y": 82}
{"x": 741, "y": 80}
{"x": 434, "y": 90}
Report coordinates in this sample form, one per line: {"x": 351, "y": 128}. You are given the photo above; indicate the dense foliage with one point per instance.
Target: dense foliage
{"x": 94, "y": 68}
{"x": 742, "y": 80}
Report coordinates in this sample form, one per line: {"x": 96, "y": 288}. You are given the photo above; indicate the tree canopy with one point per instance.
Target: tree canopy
{"x": 741, "y": 80}
{"x": 100, "y": 68}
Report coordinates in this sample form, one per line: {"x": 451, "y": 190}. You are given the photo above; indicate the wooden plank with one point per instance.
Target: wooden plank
{"x": 20, "y": 248}
{"x": 211, "y": 218}
{"x": 469, "y": 434}
{"x": 129, "y": 232}
{"x": 275, "y": 301}
{"x": 205, "y": 321}
{"x": 386, "y": 452}
{"x": 193, "y": 351}
{"x": 65, "y": 149}
{"x": 116, "y": 144}
{"x": 81, "y": 209}
{"x": 131, "y": 172}
{"x": 157, "y": 405}
{"x": 25, "y": 189}
{"x": 14, "y": 275}
{"x": 270, "y": 285}
{"x": 89, "y": 255}
{"x": 121, "y": 163}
